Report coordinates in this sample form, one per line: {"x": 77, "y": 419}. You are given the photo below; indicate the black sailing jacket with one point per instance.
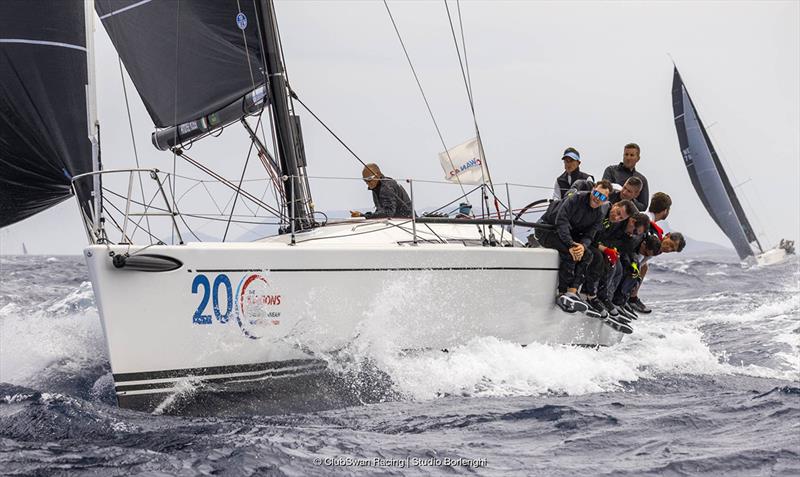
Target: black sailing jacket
{"x": 619, "y": 174}
{"x": 390, "y": 199}
{"x": 575, "y": 219}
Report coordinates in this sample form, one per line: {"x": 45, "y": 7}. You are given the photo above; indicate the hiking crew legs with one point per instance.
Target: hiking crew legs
{"x": 626, "y": 287}
{"x": 614, "y": 279}
{"x": 571, "y": 274}
{"x": 597, "y": 272}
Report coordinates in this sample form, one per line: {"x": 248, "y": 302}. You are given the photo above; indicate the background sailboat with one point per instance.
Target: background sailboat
{"x": 711, "y": 181}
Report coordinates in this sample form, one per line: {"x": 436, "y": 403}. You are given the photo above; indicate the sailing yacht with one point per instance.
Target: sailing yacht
{"x": 225, "y": 315}
{"x": 711, "y": 182}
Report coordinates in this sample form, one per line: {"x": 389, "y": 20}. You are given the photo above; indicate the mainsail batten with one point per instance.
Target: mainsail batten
{"x": 706, "y": 172}
{"x": 43, "y": 106}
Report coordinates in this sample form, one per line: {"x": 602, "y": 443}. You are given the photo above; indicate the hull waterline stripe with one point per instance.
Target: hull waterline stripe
{"x": 212, "y": 370}
{"x": 42, "y": 42}
{"x": 399, "y": 269}
{"x": 233, "y": 378}
{"x": 221, "y": 375}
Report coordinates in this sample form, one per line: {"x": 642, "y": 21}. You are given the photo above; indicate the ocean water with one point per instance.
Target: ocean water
{"x": 709, "y": 384}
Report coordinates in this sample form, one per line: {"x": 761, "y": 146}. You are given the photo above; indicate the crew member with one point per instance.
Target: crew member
{"x": 390, "y": 199}
{"x": 603, "y": 257}
{"x": 631, "y": 190}
{"x": 660, "y": 204}
{"x": 572, "y": 173}
{"x": 618, "y": 174}
{"x": 576, "y": 220}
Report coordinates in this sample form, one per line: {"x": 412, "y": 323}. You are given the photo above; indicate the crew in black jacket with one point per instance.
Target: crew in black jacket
{"x": 577, "y": 219}
{"x": 572, "y": 173}
{"x": 389, "y": 197}
{"x": 618, "y": 174}
{"x": 604, "y": 257}
{"x": 631, "y": 190}
{"x": 627, "y": 246}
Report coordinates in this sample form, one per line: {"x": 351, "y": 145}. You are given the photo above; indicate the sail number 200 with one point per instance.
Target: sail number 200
{"x": 212, "y": 291}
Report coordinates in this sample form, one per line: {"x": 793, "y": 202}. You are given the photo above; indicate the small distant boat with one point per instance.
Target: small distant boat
{"x": 24, "y": 249}
{"x": 712, "y": 184}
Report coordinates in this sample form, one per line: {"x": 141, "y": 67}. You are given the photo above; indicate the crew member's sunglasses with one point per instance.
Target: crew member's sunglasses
{"x": 600, "y": 196}
{"x": 370, "y": 178}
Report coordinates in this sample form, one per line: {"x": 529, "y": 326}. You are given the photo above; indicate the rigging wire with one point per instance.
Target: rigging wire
{"x": 327, "y": 128}
{"x": 238, "y": 188}
{"x": 467, "y": 84}
{"x": 133, "y": 138}
{"x": 425, "y": 98}
{"x": 175, "y": 110}
{"x": 246, "y": 50}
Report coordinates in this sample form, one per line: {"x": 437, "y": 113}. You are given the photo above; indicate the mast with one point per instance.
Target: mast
{"x": 93, "y": 132}
{"x": 290, "y": 161}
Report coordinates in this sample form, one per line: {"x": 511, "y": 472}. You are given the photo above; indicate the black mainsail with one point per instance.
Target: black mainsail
{"x": 707, "y": 174}
{"x": 44, "y": 127}
{"x": 196, "y": 65}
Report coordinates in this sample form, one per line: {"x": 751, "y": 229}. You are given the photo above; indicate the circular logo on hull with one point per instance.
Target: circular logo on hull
{"x": 259, "y": 307}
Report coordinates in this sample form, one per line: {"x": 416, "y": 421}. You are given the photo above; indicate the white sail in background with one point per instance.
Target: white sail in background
{"x": 464, "y": 164}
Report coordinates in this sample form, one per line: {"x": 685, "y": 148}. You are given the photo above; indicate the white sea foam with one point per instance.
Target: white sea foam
{"x": 661, "y": 345}
{"x": 65, "y": 331}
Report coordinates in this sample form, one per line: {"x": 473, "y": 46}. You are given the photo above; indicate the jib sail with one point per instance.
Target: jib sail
{"x": 44, "y": 129}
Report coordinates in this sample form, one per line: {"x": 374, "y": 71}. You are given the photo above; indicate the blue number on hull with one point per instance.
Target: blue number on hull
{"x": 198, "y": 316}
{"x": 223, "y": 279}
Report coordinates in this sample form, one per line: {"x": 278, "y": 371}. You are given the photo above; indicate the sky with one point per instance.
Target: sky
{"x": 545, "y": 75}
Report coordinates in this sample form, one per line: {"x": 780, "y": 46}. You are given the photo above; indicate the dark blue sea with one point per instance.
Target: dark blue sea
{"x": 709, "y": 384}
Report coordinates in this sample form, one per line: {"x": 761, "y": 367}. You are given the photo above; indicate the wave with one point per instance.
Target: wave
{"x": 54, "y": 344}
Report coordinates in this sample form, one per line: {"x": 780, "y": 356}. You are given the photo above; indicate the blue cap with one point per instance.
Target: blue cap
{"x": 572, "y": 155}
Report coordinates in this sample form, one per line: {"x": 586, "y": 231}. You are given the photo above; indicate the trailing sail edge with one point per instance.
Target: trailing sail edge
{"x": 706, "y": 172}
{"x": 44, "y": 97}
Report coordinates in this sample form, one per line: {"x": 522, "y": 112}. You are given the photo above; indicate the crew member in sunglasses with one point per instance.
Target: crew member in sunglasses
{"x": 576, "y": 220}
{"x": 389, "y": 197}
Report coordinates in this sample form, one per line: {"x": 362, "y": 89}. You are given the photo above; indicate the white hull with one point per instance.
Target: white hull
{"x": 771, "y": 257}
{"x": 290, "y": 302}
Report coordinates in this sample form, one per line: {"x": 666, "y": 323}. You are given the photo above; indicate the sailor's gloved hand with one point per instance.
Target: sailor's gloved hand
{"x": 635, "y": 270}
{"x": 612, "y": 255}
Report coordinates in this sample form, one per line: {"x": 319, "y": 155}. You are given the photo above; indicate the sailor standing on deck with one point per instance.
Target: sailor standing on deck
{"x": 577, "y": 219}
{"x": 619, "y": 173}
{"x": 572, "y": 173}
{"x": 390, "y": 199}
